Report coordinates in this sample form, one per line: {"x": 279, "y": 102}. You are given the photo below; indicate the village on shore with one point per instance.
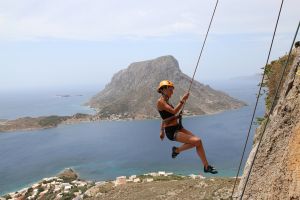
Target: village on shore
{"x": 67, "y": 185}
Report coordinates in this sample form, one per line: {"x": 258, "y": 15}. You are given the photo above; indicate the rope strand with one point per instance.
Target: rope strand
{"x": 212, "y": 17}
{"x": 208, "y": 29}
{"x": 258, "y": 96}
{"x": 271, "y": 110}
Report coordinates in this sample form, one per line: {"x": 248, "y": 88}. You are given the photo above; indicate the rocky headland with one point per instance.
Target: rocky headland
{"x": 131, "y": 94}
{"x": 35, "y": 123}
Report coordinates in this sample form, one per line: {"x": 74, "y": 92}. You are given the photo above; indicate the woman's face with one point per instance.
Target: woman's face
{"x": 169, "y": 91}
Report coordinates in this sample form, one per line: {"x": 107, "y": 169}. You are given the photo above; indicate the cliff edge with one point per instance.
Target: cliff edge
{"x": 276, "y": 170}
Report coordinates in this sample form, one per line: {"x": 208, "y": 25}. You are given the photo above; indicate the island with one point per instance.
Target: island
{"x": 131, "y": 95}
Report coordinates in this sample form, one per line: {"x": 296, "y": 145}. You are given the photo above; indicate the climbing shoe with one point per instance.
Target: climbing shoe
{"x": 174, "y": 154}
{"x": 210, "y": 169}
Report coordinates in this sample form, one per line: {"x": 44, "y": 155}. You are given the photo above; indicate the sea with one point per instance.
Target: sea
{"x": 104, "y": 150}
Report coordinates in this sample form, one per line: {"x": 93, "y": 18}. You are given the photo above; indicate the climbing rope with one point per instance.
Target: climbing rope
{"x": 193, "y": 77}
{"x": 257, "y": 99}
{"x": 181, "y": 111}
{"x": 271, "y": 110}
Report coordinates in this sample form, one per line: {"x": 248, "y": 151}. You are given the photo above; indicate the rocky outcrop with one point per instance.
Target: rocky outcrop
{"x": 185, "y": 189}
{"x": 31, "y": 123}
{"x": 68, "y": 175}
{"x": 276, "y": 170}
{"x": 43, "y": 122}
{"x": 132, "y": 91}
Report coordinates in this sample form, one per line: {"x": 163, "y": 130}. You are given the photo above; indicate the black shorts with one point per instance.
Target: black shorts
{"x": 172, "y": 130}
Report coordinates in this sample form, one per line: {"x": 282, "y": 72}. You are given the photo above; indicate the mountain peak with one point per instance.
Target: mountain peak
{"x": 166, "y": 64}
{"x": 132, "y": 91}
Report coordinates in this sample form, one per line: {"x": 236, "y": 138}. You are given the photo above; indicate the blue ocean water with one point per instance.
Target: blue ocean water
{"x": 106, "y": 149}
{"x": 34, "y": 103}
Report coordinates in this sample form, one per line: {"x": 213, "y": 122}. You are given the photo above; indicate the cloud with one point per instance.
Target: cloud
{"x": 106, "y": 20}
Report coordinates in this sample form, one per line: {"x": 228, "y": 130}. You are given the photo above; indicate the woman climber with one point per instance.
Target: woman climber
{"x": 175, "y": 130}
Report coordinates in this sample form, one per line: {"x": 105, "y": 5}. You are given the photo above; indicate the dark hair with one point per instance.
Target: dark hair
{"x": 297, "y": 44}
{"x": 161, "y": 88}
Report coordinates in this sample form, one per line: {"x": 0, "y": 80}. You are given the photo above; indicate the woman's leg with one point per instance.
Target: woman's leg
{"x": 183, "y": 137}
{"x": 184, "y": 147}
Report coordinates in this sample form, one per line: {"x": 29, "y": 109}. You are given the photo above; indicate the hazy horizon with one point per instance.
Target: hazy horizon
{"x": 97, "y": 87}
{"x": 52, "y": 44}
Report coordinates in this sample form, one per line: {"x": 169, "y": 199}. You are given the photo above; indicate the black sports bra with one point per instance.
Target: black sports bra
{"x": 165, "y": 114}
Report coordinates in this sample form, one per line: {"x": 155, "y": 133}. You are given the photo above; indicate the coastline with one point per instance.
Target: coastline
{"x": 68, "y": 184}
{"x": 46, "y": 122}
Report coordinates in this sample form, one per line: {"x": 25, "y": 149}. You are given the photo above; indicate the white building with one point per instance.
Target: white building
{"x": 153, "y": 174}
{"x": 67, "y": 188}
{"x": 136, "y": 180}
{"x": 49, "y": 179}
{"x": 161, "y": 173}
{"x": 193, "y": 176}
{"x": 132, "y": 177}
{"x": 149, "y": 180}
{"x": 100, "y": 183}
{"x": 121, "y": 180}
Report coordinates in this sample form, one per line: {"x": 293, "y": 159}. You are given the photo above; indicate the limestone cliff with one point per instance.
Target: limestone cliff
{"x": 276, "y": 170}
{"x": 132, "y": 91}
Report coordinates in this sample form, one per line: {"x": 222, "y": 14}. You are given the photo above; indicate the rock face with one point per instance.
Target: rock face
{"x": 68, "y": 175}
{"x": 132, "y": 92}
{"x": 276, "y": 170}
{"x": 185, "y": 189}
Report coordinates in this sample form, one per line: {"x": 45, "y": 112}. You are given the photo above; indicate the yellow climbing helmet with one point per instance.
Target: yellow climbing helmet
{"x": 165, "y": 83}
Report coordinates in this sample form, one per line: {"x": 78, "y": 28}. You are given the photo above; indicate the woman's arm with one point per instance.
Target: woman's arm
{"x": 162, "y": 125}
{"x": 162, "y": 105}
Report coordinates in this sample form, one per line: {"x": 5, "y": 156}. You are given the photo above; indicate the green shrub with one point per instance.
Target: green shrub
{"x": 68, "y": 196}
{"x": 273, "y": 75}
{"x": 51, "y": 121}
{"x": 83, "y": 188}
{"x": 49, "y": 196}
{"x": 167, "y": 178}
{"x": 7, "y": 196}
{"x": 259, "y": 120}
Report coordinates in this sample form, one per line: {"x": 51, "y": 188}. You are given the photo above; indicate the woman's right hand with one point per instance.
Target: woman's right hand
{"x": 162, "y": 135}
{"x": 185, "y": 96}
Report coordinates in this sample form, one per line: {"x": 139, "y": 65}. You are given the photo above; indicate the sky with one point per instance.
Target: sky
{"x": 82, "y": 43}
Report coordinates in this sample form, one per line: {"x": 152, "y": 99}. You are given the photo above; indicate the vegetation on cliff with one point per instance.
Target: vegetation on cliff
{"x": 272, "y": 78}
{"x": 275, "y": 164}
{"x": 273, "y": 74}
